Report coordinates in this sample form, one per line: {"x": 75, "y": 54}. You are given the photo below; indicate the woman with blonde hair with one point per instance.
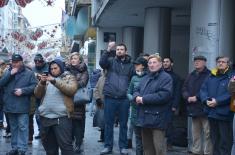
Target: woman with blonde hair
{"x": 78, "y": 68}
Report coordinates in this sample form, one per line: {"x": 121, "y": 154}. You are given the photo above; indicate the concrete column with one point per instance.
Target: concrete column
{"x": 157, "y": 28}
{"x": 133, "y": 38}
{"x": 212, "y": 30}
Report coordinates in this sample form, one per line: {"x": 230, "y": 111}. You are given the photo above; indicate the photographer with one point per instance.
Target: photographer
{"x": 56, "y": 88}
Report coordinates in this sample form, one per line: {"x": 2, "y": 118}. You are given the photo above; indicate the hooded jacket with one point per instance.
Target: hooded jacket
{"x": 65, "y": 82}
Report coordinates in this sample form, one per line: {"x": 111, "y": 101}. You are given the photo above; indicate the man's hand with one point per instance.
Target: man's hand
{"x": 173, "y": 109}
{"x": 139, "y": 100}
{"x": 43, "y": 78}
{"x": 14, "y": 71}
{"x": 192, "y": 99}
{"x": 18, "y": 92}
{"x": 111, "y": 46}
{"x": 211, "y": 103}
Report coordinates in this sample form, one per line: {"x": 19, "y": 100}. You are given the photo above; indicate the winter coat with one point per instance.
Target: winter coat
{"x": 40, "y": 70}
{"x": 66, "y": 83}
{"x": 25, "y": 80}
{"x": 156, "y": 91}
{"x": 191, "y": 87}
{"x": 82, "y": 77}
{"x": 95, "y": 75}
{"x": 135, "y": 81}
{"x": 216, "y": 86}
{"x": 118, "y": 76}
{"x": 176, "y": 92}
{"x": 98, "y": 91}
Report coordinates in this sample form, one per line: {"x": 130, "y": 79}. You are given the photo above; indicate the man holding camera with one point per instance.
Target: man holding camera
{"x": 56, "y": 89}
{"x": 200, "y": 124}
{"x": 18, "y": 83}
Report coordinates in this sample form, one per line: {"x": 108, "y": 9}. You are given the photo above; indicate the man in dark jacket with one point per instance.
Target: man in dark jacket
{"x": 200, "y": 124}
{"x": 18, "y": 83}
{"x": 40, "y": 67}
{"x": 152, "y": 98}
{"x": 119, "y": 71}
{"x": 168, "y": 67}
{"x": 215, "y": 95}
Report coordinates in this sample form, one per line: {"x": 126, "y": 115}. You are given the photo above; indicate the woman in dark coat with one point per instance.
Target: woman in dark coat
{"x": 78, "y": 68}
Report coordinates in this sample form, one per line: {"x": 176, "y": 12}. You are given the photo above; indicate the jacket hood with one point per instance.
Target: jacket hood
{"x": 59, "y": 63}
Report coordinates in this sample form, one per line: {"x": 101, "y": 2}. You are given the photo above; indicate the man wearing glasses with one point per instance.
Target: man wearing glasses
{"x": 214, "y": 94}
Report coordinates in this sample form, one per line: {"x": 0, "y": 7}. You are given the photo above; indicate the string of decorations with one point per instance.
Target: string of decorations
{"x": 23, "y": 3}
{"x": 40, "y": 37}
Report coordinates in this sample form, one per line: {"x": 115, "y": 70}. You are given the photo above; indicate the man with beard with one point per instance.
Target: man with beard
{"x": 168, "y": 67}
{"x": 119, "y": 71}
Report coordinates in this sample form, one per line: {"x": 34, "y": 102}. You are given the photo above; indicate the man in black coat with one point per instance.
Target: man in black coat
{"x": 119, "y": 71}
{"x": 191, "y": 93}
{"x": 176, "y": 94}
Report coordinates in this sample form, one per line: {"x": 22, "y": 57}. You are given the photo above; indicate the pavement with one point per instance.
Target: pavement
{"x": 91, "y": 146}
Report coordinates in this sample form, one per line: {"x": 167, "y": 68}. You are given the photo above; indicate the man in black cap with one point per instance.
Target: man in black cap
{"x": 18, "y": 83}
{"x": 200, "y": 124}
{"x": 41, "y": 66}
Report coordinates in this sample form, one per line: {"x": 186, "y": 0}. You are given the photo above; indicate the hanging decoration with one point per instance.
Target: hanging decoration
{"x": 23, "y": 3}
{"x": 29, "y": 45}
{"x": 42, "y": 45}
{"x": 3, "y": 3}
{"x": 37, "y": 34}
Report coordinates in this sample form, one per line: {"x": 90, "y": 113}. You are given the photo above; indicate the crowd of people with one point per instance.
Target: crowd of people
{"x": 143, "y": 95}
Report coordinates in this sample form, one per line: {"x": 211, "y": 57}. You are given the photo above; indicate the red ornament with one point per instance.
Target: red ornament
{"x": 39, "y": 33}
{"x": 22, "y": 37}
{"x": 3, "y": 3}
{"x": 28, "y": 1}
{"x": 15, "y": 35}
{"x": 21, "y": 3}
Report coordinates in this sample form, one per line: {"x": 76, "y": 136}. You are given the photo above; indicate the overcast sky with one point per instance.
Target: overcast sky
{"x": 38, "y": 13}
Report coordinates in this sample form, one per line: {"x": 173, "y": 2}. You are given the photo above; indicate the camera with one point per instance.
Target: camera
{"x": 45, "y": 73}
{"x": 209, "y": 99}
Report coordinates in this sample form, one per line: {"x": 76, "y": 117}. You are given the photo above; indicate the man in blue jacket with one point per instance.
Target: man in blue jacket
{"x": 119, "y": 71}
{"x": 152, "y": 98}
{"x": 214, "y": 94}
{"x": 18, "y": 83}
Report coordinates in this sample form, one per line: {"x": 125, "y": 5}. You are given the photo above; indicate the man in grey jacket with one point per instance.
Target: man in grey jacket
{"x": 18, "y": 83}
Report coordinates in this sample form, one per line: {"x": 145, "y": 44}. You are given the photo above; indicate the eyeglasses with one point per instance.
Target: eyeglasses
{"x": 223, "y": 62}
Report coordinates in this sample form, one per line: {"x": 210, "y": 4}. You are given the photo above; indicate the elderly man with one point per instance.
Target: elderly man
{"x": 152, "y": 98}
{"x": 215, "y": 95}
{"x": 18, "y": 83}
{"x": 200, "y": 124}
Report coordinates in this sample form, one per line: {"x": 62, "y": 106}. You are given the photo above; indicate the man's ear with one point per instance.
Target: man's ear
{"x": 172, "y": 64}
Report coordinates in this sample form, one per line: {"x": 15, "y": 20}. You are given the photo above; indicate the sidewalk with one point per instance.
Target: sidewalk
{"x": 91, "y": 146}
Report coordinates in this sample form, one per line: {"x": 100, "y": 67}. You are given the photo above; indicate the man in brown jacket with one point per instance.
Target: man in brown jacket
{"x": 56, "y": 89}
